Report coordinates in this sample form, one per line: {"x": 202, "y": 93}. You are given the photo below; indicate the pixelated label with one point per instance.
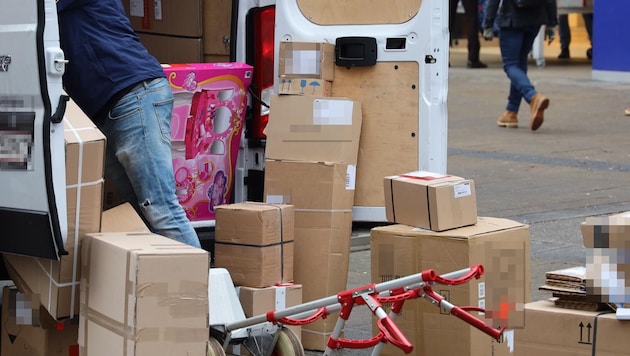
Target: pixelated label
{"x": 303, "y": 62}
{"x": 481, "y": 304}
{"x": 481, "y": 288}
{"x": 332, "y": 112}
{"x": 136, "y": 8}
{"x": 16, "y": 140}
{"x": 462, "y": 190}
{"x": 157, "y": 6}
{"x": 351, "y": 175}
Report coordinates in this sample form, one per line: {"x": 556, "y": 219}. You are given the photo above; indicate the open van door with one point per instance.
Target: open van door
{"x": 33, "y": 217}
{"x": 403, "y": 92}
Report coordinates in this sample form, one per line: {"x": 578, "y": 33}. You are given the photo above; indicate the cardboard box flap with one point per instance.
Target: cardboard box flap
{"x": 122, "y": 218}
{"x": 146, "y": 243}
{"x": 484, "y": 226}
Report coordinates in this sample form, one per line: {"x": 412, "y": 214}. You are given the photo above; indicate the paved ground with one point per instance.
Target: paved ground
{"x": 576, "y": 165}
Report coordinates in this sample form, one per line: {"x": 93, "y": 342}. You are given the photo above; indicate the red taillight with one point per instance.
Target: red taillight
{"x": 264, "y": 24}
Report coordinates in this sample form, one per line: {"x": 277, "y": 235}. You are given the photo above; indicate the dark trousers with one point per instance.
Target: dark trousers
{"x": 471, "y": 16}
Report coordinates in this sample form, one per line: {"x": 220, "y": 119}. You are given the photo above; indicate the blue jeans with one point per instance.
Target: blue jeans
{"x": 138, "y": 158}
{"x": 515, "y": 45}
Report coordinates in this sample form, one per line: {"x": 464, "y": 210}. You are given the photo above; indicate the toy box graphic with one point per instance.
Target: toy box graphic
{"x": 206, "y": 129}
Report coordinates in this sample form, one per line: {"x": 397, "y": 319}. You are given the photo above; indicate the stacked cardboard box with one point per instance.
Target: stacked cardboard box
{"x": 56, "y": 282}
{"x": 306, "y": 68}
{"x": 312, "y": 149}
{"x": 182, "y": 31}
{"x": 255, "y": 243}
{"x": 500, "y": 245}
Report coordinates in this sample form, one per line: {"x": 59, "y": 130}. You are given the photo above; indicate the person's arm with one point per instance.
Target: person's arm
{"x": 490, "y": 13}
{"x": 69, "y": 4}
{"x": 552, "y": 13}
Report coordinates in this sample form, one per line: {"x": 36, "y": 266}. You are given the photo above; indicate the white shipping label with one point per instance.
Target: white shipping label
{"x": 482, "y": 304}
{"x": 157, "y": 5}
{"x": 136, "y": 8}
{"x": 332, "y": 112}
{"x": 481, "y": 288}
{"x": 351, "y": 177}
{"x": 462, "y": 190}
{"x": 275, "y": 199}
{"x": 281, "y": 298}
{"x": 425, "y": 175}
{"x": 303, "y": 62}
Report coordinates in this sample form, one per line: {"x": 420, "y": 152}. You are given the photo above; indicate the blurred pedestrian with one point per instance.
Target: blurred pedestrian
{"x": 518, "y": 27}
{"x": 471, "y": 11}
{"x": 564, "y": 32}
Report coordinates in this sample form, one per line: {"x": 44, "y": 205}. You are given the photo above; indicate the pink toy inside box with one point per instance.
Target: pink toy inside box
{"x": 206, "y": 128}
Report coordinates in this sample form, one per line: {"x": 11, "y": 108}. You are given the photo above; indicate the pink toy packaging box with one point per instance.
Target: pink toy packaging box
{"x": 206, "y": 129}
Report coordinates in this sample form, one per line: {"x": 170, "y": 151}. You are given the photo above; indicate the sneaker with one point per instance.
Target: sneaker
{"x": 539, "y": 104}
{"x": 476, "y": 64}
{"x": 564, "y": 54}
{"x": 508, "y": 119}
{"x": 627, "y": 111}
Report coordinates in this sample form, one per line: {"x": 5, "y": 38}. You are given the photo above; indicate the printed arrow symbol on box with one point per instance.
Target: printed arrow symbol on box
{"x": 588, "y": 326}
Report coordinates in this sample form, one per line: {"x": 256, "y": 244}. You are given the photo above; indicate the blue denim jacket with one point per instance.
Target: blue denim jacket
{"x": 104, "y": 53}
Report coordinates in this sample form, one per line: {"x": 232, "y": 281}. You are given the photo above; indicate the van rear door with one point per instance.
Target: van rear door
{"x": 33, "y": 218}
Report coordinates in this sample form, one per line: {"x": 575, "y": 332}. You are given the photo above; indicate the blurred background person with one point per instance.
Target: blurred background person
{"x": 471, "y": 18}
{"x": 564, "y": 32}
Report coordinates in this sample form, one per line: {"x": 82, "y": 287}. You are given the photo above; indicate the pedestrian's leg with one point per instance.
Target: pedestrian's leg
{"x": 138, "y": 130}
{"x": 471, "y": 7}
{"x": 588, "y": 23}
{"x": 564, "y": 32}
{"x": 511, "y": 45}
{"x": 538, "y": 103}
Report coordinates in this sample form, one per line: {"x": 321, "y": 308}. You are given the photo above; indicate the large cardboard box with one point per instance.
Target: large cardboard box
{"x": 56, "y": 282}
{"x": 304, "y": 86}
{"x": 309, "y": 128}
{"x": 554, "y": 331}
{"x": 254, "y": 242}
{"x": 166, "y": 17}
{"x": 173, "y": 49}
{"x": 431, "y": 201}
{"x": 607, "y": 242}
{"x": 502, "y": 246}
{"x": 322, "y": 194}
{"x": 306, "y": 60}
{"x": 142, "y": 294}
{"x": 29, "y": 330}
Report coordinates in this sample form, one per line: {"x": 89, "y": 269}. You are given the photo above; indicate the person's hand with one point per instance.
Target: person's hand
{"x": 488, "y": 34}
{"x": 550, "y": 34}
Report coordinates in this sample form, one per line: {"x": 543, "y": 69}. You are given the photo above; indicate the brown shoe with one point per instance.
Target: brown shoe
{"x": 538, "y": 105}
{"x": 508, "y": 119}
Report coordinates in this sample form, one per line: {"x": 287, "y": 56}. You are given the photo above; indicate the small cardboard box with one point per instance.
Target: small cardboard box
{"x": 431, "y": 201}
{"x": 607, "y": 242}
{"x": 309, "y": 128}
{"x": 56, "y": 282}
{"x": 552, "y": 330}
{"x": 304, "y": 86}
{"x": 502, "y": 246}
{"x": 142, "y": 294}
{"x": 29, "y": 330}
{"x": 175, "y": 18}
{"x": 206, "y": 129}
{"x": 255, "y": 243}
{"x": 307, "y": 60}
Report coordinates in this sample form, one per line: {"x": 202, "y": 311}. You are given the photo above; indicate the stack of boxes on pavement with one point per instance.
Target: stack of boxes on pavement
{"x": 437, "y": 227}
{"x": 120, "y": 290}
{"x": 594, "y": 320}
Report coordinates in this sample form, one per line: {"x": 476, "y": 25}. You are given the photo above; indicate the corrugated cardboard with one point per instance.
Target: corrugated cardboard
{"x": 322, "y": 194}
{"x": 173, "y": 49}
{"x": 28, "y": 329}
{"x": 259, "y": 301}
{"x": 255, "y": 243}
{"x": 166, "y": 17}
{"x": 607, "y": 242}
{"x": 431, "y": 201}
{"x": 500, "y": 245}
{"x": 122, "y": 218}
{"x": 567, "y": 332}
{"x": 308, "y": 128}
{"x": 57, "y": 282}
{"x": 142, "y": 294}
{"x": 306, "y": 60}
{"x": 304, "y": 86}
{"x": 217, "y": 24}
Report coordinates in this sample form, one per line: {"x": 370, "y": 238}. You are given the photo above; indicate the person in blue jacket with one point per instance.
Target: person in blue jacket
{"x": 123, "y": 89}
{"x": 518, "y": 28}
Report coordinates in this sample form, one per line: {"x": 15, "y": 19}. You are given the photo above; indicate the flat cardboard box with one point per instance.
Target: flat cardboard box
{"x": 57, "y": 281}
{"x": 502, "y": 246}
{"x": 173, "y": 49}
{"x": 551, "y": 330}
{"x": 166, "y": 17}
{"x": 306, "y": 60}
{"x": 309, "y": 128}
{"x": 255, "y": 243}
{"x": 431, "y": 201}
{"x": 142, "y": 294}
{"x": 304, "y": 86}
{"x": 29, "y": 330}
